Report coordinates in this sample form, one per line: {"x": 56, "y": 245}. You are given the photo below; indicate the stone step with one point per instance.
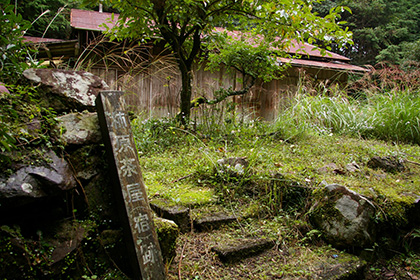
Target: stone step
{"x": 213, "y": 221}
{"x": 242, "y": 249}
{"x": 346, "y": 270}
{"x": 179, "y": 214}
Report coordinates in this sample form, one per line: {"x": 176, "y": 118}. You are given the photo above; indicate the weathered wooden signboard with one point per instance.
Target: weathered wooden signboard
{"x": 130, "y": 189}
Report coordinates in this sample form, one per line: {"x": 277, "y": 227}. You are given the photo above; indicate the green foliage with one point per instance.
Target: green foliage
{"x": 390, "y": 116}
{"x": 394, "y": 117}
{"x": 237, "y": 54}
{"x": 33, "y": 265}
{"x": 15, "y": 57}
{"x": 155, "y": 135}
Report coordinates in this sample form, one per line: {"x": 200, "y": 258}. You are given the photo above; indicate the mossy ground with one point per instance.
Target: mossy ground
{"x": 186, "y": 172}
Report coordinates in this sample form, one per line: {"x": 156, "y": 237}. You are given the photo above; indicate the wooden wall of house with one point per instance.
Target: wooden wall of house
{"x": 154, "y": 92}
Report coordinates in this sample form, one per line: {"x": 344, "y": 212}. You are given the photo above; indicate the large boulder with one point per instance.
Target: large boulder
{"x": 72, "y": 89}
{"x": 344, "y": 217}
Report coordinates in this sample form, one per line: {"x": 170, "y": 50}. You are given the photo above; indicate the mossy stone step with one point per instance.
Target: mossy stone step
{"x": 179, "y": 214}
{"x": 213, "y": 221}
{"x": 242, "y": 249}
{"x": 347, "y": 270}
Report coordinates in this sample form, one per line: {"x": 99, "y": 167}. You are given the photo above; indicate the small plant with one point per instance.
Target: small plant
{"x": 93, "y": 277}
{"x": 155, "y": 135}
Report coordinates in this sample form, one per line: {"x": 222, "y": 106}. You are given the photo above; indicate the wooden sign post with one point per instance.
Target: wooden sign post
{"x": 131, "y": 193}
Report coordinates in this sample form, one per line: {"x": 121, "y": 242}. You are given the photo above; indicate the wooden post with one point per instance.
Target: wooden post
{"x": 143, "y": 245}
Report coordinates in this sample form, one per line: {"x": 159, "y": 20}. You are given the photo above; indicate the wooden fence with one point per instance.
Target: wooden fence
{"x": 154, "y": 92}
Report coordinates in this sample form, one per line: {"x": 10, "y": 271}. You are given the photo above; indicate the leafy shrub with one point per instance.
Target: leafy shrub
{"x": 385, "y": 77}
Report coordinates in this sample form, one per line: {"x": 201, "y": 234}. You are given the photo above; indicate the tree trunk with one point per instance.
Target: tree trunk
{"x": 186, "y": 92}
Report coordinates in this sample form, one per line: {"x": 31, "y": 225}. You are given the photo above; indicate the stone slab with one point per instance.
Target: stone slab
{"x": 242, "y": 249}
{"x": 213, "y": 221}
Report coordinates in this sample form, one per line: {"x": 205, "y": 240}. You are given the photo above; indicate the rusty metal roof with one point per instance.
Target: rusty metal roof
{"x": 306, "y": 49}
{"x": 302, "y": 49}
{"x": 91, "y": 20}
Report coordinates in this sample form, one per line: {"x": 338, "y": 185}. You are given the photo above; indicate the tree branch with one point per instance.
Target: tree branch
{"x": 223, "y": 94}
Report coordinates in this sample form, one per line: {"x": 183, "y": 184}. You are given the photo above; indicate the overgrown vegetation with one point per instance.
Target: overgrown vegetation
{"x": 287, "y": 160}
{"x": 383, "y": 30}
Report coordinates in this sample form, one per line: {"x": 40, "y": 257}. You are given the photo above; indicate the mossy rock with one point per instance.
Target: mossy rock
{"x": 345, "y": 218}
{"x": 167, "y": 232}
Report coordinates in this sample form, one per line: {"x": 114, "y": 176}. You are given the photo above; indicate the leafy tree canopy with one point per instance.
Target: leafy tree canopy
{"x": 182, "y": 24}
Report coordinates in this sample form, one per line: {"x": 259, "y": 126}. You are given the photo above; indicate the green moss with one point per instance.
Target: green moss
{"x": 325, "y": 207}
{"x": 28, "y": 124}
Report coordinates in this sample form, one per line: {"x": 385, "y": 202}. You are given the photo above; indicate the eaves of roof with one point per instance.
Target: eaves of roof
{"x": 333, "y": 65}
{"x": 53, "y": 48}
{"x": 31, "y": 39}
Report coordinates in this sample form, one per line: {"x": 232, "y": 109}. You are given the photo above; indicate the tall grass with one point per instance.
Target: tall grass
{"x": 395, "y": 116}
{"x": 390, "y": 116}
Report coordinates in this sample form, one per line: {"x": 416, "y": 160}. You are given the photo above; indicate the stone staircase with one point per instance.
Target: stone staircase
{"x": 217, "y": 244}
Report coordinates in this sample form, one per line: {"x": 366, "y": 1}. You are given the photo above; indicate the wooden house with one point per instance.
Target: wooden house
{"x": 152, "y": 82}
